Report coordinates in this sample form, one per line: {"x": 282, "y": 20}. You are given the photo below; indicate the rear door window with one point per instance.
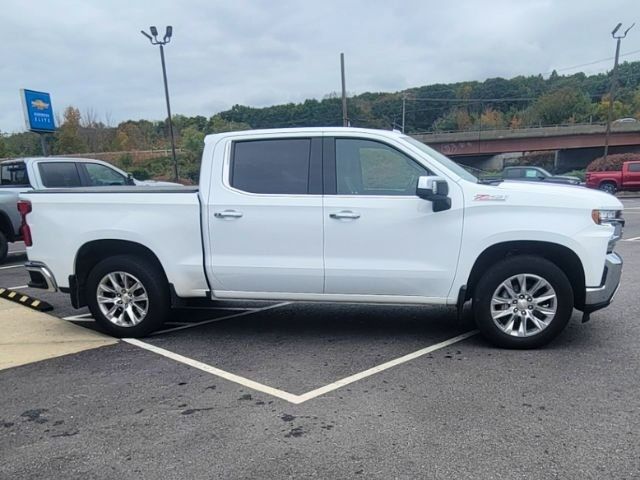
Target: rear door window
{"x": 14, "y": 175}
{"x": 634, "y": 167}
{"x": 271, "y": 166}
{"x": 59, "y": 174}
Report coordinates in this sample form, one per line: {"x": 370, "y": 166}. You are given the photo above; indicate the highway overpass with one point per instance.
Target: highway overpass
{"x": 562, "y": 137}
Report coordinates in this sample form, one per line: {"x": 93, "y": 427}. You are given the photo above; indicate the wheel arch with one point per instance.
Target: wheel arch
{"x": 565, "y": 258}
{"x": 91, "y": 253}
{"x": 608, "y": 180}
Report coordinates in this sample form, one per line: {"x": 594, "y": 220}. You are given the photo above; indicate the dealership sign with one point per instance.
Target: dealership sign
{"x": 38, "y": 112}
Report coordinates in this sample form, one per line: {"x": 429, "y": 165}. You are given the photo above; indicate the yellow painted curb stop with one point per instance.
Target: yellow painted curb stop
{"x": 25, "y": 300}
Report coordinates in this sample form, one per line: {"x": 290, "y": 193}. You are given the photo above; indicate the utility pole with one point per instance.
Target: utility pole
{"x": 404, "y": 110}
{"x": 614, "y": 85}
{"x": 345, "y": 117}
{"x": 154, "y": 41}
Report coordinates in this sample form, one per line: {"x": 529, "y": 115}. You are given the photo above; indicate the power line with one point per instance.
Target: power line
{"x": 591, "y": 63}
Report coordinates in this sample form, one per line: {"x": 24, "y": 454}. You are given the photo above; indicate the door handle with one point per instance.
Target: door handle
{"x": 228, "y": 214}
{"x": 345, "y": 214}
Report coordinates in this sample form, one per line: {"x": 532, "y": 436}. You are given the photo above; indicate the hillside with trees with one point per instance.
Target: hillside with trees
{"x": 475, "y": 105}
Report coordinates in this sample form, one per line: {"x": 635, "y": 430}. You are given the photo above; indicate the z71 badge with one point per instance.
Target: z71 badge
{"x": 485, "y": 197}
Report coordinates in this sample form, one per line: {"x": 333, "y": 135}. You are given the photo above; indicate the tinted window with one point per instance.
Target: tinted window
{"x": 101, "y": 175}
{"x": 634, "y": 167}
{"x": 59, "y": 174}
{"x": 271, "y": 166}
{"x": 364, "y": 167}
{"x": 13, "y": 175}
{"x": 513, "y": 173}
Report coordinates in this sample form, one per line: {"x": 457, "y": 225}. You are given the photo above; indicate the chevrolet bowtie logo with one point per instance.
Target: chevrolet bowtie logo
{"x": 39, "y": 104}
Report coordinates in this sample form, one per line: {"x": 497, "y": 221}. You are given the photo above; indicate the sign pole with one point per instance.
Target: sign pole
{"x": 43, "y": 143}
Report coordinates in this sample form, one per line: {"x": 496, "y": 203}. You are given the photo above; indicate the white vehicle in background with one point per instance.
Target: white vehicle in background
{"x": 40, "y": 173}
{"x": 330, "y": 214}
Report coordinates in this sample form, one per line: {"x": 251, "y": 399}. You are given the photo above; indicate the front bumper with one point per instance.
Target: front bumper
{"x": 41, "y": 277}
{"x": 600, "y": 297}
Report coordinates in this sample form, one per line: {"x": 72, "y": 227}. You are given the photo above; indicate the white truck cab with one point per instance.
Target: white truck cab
{"x": 332, "y": 214}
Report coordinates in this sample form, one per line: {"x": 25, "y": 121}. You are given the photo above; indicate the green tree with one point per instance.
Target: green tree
{"x": 3, "y": 147}
{"x": 67, "y": 137}
{"x": 559, "y": 106}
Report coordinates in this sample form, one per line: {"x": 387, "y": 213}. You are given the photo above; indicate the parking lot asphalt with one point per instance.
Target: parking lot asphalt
{"x": 201, "y": 399}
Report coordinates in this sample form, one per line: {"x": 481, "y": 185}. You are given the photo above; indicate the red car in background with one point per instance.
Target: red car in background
{"x": 613, "y": 181}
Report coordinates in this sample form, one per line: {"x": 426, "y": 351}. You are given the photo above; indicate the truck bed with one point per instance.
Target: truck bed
{"x": 164, "y": 220}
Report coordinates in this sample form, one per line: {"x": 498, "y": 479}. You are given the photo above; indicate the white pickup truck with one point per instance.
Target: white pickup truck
{"x": 336, "y": 215}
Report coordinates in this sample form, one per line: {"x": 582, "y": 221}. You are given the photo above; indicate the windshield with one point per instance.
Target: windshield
{"x": 441, "y": 159}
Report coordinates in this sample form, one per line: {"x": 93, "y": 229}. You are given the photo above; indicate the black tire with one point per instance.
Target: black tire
{"x": 4, "y": 247}
{"x": 154, "y": 282}
{"x": 503, "y": 270}
{"x": 608, "y": 187}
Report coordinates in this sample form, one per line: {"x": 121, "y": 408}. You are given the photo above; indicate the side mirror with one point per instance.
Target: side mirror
{"x": 130, "y": 180}
{"x": 435, "y": 190}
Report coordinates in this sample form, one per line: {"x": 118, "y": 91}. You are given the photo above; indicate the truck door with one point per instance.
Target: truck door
{"x": 379, "y": 237}
{"x": 631, "y": 177}
{"x": 265, "y": 216}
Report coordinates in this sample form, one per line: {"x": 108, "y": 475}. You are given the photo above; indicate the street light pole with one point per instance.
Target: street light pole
{"x": 614, "y": 85}
{"x": 345, "y": 117}
{"x": 154, "y": 41}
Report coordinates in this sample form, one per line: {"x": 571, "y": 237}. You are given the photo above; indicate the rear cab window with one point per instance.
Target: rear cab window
{"x": 513, "y": 173}
{"x": 14, "y": 174}
{"x": 59, "y": 174}
{"x": 273, "y": 166}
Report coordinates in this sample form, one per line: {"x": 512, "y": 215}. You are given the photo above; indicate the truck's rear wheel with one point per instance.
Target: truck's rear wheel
{"x": 608, "y": 187}
{"x": 523, "y": 301}
{"x": 127, "y": 296}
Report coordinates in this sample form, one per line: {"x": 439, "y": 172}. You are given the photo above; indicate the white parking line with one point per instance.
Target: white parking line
{"x": 83, "y": 317}
{"x": 19, "y": 286}
{"x": 274, "y": 392}
{"x": 385, "y": 366}
{"x": 290, "y": 397}
{"x": 197, "y": 324}
{"x": 633, "y": 239}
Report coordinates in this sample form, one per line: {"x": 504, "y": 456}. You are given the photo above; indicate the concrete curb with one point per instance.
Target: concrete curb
{"x": 29, "y": 336}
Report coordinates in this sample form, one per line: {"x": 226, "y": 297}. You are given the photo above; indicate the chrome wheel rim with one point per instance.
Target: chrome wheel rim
{"x": 122, "y": 299}
{"x": 524, "y": 305}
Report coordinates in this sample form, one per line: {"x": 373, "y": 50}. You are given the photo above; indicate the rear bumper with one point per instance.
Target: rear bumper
{"x": 600, "y": 297}
{"x": 41, "y": 277}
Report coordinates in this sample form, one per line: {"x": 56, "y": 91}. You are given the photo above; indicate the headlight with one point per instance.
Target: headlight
{"x": 613, "y": 218}
{"x": 606, "y": 216}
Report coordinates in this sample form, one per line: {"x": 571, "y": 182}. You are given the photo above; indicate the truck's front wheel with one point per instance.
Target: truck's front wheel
{"x": 127, "y": 296}
{"x": 523, "y": 301}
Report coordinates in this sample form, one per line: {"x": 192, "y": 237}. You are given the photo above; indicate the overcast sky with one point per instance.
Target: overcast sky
{"x": 90, "y": 54}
